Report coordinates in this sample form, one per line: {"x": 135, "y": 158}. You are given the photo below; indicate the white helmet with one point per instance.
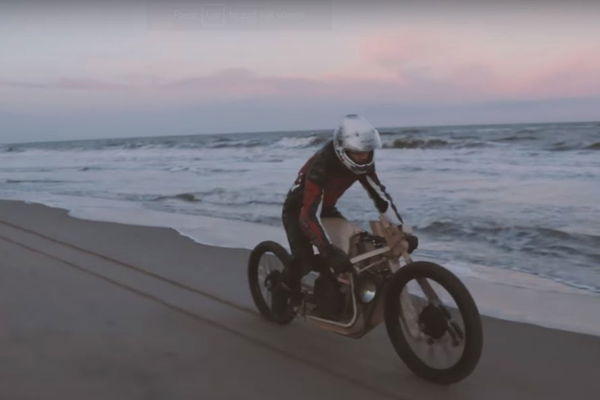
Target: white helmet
{"x": 355, "y": 133}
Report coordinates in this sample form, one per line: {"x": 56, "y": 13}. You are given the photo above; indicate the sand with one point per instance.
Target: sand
{"x": 100, "y": 310}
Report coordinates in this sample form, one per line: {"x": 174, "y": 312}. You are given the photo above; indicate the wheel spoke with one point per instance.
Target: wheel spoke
{"x": 409, "y": 314}
{"x": 445, "y": 351}
{"x": 262, "y": 274}
{"x": 268, "y": 264}
{"x": 265, "y": 268}
{"x": 455, "y": 333}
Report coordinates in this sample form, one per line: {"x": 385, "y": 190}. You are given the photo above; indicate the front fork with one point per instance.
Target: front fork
{"x": 453, "y": 329}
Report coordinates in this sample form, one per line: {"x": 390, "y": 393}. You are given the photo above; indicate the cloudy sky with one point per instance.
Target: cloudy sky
{"x": 72, "y": 70}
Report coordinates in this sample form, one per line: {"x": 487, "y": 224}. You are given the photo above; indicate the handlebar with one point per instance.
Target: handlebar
{"x": 397, "y": 245}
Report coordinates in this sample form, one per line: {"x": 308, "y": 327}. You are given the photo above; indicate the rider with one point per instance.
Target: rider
{"x": 348, "y": 158}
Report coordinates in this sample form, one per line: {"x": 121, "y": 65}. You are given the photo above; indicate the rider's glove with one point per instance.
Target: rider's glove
{"x": 413, "y": 241}
{"x": 337, "y": 259}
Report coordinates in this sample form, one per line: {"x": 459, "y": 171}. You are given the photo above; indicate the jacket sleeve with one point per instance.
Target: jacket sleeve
{"x": 383, "y": 201}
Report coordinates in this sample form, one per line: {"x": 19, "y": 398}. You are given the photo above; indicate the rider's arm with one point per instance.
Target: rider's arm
{"x": 332, "y": 212}
{"x": 383, "y": 201}
{"x": 310, "y": 220}
{"x": 337, "y": 259}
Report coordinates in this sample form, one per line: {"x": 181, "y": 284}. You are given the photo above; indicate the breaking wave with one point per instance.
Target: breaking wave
{"x": 538, "y": 240}
{"x": 595, "y": 146}
{"x": 516, "y": 138}
{"x": 189, "y": 197}
{"x": 300, "y": 142}
{"x": 405, "y": 143}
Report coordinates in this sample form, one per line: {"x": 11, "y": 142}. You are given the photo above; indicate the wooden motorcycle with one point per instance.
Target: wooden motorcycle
{"x": 430, "y": 316}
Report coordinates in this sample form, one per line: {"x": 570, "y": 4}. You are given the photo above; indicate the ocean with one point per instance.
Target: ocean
{"x": 522, "y": 198}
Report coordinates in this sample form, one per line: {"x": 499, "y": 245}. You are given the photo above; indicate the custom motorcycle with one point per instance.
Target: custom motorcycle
{"x": 430, "y": 316}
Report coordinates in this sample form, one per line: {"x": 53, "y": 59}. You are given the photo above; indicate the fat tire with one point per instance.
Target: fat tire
{"x": 253, "y": 263}
{"x": 467, "y": 307}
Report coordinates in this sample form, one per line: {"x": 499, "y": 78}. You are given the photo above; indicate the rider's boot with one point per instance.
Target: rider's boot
{"x": 286, "y": 295}
{"x": 295, "y": 296}
{"x": 279, "y": 298}
{"x": 292, "y": 283}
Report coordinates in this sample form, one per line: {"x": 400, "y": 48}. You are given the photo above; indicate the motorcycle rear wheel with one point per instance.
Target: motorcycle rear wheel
{"x": 441, "y": 343}
{"x": 266, "y": 264}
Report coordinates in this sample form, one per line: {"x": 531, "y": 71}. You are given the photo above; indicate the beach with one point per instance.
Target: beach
{"x": 105, "y": 310}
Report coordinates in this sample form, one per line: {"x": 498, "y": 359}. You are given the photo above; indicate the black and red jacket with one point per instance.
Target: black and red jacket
{"x": 320, "y": 183}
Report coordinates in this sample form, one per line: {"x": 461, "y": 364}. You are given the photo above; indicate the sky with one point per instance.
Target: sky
{"x": 78, "y": 70}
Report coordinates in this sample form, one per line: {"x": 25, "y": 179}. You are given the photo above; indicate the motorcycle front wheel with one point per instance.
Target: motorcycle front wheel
{"x": 433, "y": 323}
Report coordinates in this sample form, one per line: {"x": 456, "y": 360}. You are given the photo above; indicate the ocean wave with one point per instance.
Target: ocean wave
{"x": 225, "y": 170}
{"x": 191, "y": 196}
{"x": 466, "y": 137}
{"x": 220, "y": 144}
{"x": 538, "y": 240}
{"x": 218, "y": 197}
{"x": 411, "y": 131}
{"x": 93, "y": 168}
{"x": 188, "y": 197}
{"x": 529, "y": 130}
{"x": 475, "y": 228}
{"x": 300, "y": 142}
{"x": 248, "y": 202}
{"x": 11, "y": 149}
{"x": 595, "y": 146}
{"x": 515, "y": 138}
{"x": 565, "y": 146}
{"x": 34, "y": 181}
{"x": 407, "y": 143}
{"x": 405, "y": 131}
{"x": 550, "y": 138}
{"x": 562, "y": 146}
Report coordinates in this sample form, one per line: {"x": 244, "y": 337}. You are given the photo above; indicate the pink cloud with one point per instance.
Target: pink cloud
{"x": 574, "y": 74}
{"x": 436, "y": 62}
{"x": 245, "y": 84}
{"x": 413, "y": 81}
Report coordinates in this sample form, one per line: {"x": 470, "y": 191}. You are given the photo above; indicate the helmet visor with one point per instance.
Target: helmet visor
{"x": 360, "y": 157}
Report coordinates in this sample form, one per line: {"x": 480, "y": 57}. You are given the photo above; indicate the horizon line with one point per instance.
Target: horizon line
{"x": 301, "y": 130}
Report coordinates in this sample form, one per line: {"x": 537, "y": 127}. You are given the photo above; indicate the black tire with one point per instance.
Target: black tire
{"x": 472, "y": 335}
{"x": 255, "y": 281}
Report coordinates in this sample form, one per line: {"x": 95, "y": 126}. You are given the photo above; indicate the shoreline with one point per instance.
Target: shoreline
{"x": 504, "y": 294}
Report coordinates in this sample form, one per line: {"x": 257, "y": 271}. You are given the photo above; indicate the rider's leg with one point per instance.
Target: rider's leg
{"x": 301, "y": 247}
{"x": 287, "y": 292}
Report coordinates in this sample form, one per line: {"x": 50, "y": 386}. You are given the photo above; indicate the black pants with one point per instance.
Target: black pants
{"x": 301, "y": 246}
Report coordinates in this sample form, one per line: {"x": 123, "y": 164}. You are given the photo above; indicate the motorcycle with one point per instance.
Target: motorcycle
{"x": 430, "y": 316}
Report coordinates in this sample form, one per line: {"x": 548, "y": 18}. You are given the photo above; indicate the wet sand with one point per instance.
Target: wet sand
{"x": 101, "y": 310}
